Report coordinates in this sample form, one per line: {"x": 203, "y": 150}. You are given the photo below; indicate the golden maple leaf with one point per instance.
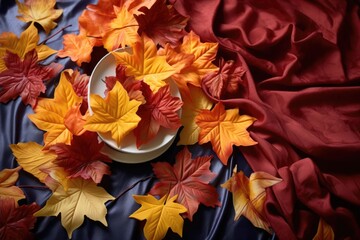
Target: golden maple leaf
{"x": 224, "y": 128}
{"x": 160, "y": 215}
{"x": 193, "y": 58}
{"x": 52, "y": 115}
{"x": 40, "y": 11}
{"x": 39, "y": 162}
{"x": 192, "y": 107}
{"x": 324, "y": 231}
{"x": 116, "y": 114}
{"x": 77, "y": 47}
{"x": 8, "y": 178}
{"x": 83, "y": 198}
{"x": 123, "y": 30}
{"x": 27, "y": 41}
{"x": 145, "y": 64}
{"x": 249, "y": 195}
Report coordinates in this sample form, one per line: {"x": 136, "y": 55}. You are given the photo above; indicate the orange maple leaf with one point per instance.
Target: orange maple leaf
{"x": 144, "y": 63}
{"x": 194, "y": 57}
{"x": 116, "y": 114}
{"x": 123, "y": 30}
{"x": 249, "y": 195}
{"x": 58, "y": 116}
{"x": 40, "y": 11}
{"x": 324, "y": 231}
{"x": 224, "y": 128}
{"x": 8, "y": 178}
{"x": 77, "y": 47}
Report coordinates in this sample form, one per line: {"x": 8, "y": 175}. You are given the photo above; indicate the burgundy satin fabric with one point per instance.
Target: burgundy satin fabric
{"x": 302, "y": 84}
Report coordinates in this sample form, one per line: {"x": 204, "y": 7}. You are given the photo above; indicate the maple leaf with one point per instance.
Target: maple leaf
{"x": 52, "y": 114}
{"x": 77, "y": 47}
{"x": 224, "y": 128}
{"x": 199, "y": 65}
{"x": 162, "y": 23}
{"x": 145, "y": 64}
{"x": 40, "y": 163}
{"x": 189, "y": 179}
{"x": 39, "y": 11}
{"x": 249, "y": 195}
{"x": 8, "y": 178}
{"x": 25, "y": 78}
{"x": 27, "y": 42}
{"x": 192, "y": 107}
{"x": 225, "y": 81}
{"x": 123, "y": 30}
{"x": 83, "y": 157}
{"x": 116, "y": 114}
{"x": 160, "y": 215}
{"x": 16, "y": 221}
{"x": 324, "y": 231}
{"x": 132, "y": 86}
{"x": 160, "y": 109}
{"x": 83, "y": 198}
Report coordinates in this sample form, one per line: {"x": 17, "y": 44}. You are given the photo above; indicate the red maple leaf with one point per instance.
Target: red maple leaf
{"x": 16, "y": 221}
{"x": 25, "y": 78}
{"x": 162, "y": 23}
{"x": 160, "y": 109}
{"x": 189, "y": 179}
{"x": 130, "y": 84}
{"x": 83, "y": 157}
{"x": 226, "y": 81}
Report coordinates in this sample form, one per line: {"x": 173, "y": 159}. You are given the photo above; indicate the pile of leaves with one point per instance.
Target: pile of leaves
{"x": 138, "y": 101}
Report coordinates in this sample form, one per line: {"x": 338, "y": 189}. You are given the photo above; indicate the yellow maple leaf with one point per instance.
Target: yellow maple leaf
{"x": 249, "y": 195}
{"x": 159, "y": 215}
{"x": 27, "y": 41}
{"x": 77, "y": 47}
{"x": 40, "y": 11}
{"x": 52, "y": 115}
{"x": 324, "y": 231}
{"x": 224, "y": 128}
{"x": 123, "y": 30}
{"x": 145, "y": 64}
{"x": 8, "y": 178}
{"x": 194, "y": 59}
{"x": 116, "y": 114}
{"x": 192, "y": 107}
{"x": 83, "y": 198}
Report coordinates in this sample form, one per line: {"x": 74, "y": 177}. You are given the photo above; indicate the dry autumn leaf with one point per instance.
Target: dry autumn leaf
{"x": 145, "y": 64}
{"x": 8, "y": 178}
{"x": 192, "y": 107}
{"x": 83, "y": 157}
{"x": 162, "y": 23}
{"x": 116, "y": 114}
{"x": 195, "y": 67}
{"x": 160, "y": 215}
{"x": 39, "y": 11}
{"x": 16, "y": 221}
{"x": 52, "y": 115}
{"x": 27, "y": 41}
{"x": 324, "y": 231}
{"x": 25, "y": 78}
{"x": 224, "y": 128}
{"x": 160, "y": 110}
{"x": 83, "y": 198}
{"x": 188, "y": 179}
{"x": 249, "y": 195}
{"x": 77, "y": 47}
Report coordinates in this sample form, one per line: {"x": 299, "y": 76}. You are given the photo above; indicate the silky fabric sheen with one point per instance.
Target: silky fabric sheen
{"x": 302, "y": 62}
{"x": 208, "y": 223}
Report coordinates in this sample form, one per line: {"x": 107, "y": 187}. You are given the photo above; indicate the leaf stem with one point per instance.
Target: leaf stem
{"x": 33, "y": 187}
{"x": 56, "y": 33}
{"x": 132, "y": 186}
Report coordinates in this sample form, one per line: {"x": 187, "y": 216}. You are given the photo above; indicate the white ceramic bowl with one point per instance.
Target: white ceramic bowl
{"x": 128, "y": 152}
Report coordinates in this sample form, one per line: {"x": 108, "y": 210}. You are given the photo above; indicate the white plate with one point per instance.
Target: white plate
{"x": 128, "y": 151}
